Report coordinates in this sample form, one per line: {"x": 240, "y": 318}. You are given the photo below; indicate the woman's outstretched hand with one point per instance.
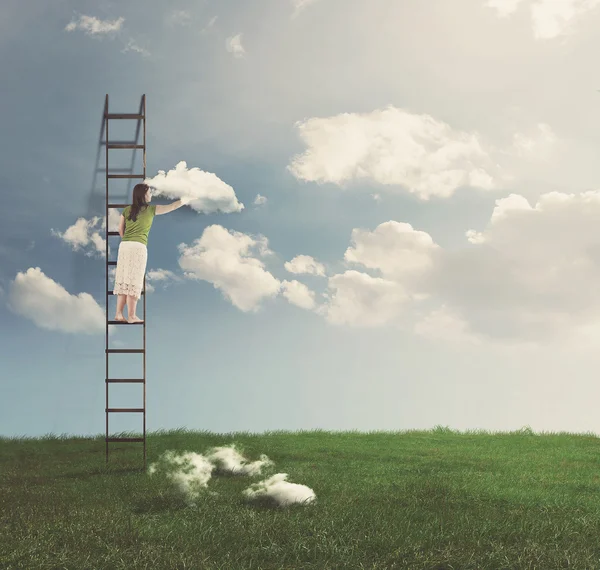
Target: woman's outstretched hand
{"x": 185, "y": 200}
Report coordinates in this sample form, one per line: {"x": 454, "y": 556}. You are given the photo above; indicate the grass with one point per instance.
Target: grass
{"x": 434, "y": 499}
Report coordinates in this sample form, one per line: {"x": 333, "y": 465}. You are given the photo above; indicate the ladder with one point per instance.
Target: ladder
{"x": 141, "y": 116}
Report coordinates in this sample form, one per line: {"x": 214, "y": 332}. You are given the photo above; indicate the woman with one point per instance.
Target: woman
{"x": 136, "y": 221}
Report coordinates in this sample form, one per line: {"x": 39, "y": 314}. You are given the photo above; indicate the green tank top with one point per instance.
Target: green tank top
{"x": 138, "y": 230}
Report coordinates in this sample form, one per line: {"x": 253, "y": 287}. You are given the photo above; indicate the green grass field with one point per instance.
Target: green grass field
{"x": 412, "y": 500}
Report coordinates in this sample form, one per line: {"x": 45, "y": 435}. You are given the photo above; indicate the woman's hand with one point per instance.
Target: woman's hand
{"x": 185, "y": 200}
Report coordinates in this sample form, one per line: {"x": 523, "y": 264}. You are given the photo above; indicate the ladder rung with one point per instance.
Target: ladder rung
{"x": 123, "y": 439}
{"x": 124, "y": 116}
{"x": 124, "y": 145}
{"x": 114, "y": 234}
{"x": 124, "y": 409}
{"x": 126, "y": 176}
{"x": 118, "y": 205}
{"x": 124, "y": 323}
{"x": 112, "y": 293}
{"x": 123, "y": 350}
{"x": 122, "y": 380}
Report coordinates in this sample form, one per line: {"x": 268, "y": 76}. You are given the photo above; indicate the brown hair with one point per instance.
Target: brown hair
{"x": 139, "y": 200}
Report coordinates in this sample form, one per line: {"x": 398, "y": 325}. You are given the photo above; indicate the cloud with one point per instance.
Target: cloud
{"x": 161, "y": 275}
{"x": 50, "y": 306}
{"x": 413, "y": 250}
{"x": 94, "y": 27}
{"x": 190, "y": 472}
{"x": 83, "y": 233}
{"x": 393, "y": 147}
{"x": 234, "y": 46}
{"x": 207, "y": 192}
{"x": 532, "y": 275}
{"x": 305, "y": 264}
{"x": 357, "y": 299}
{"x": 260, "y": 200}
{"x": 298, "y": 294}
{"x": 549, "y": 18}
{"x": 225, "y": 259}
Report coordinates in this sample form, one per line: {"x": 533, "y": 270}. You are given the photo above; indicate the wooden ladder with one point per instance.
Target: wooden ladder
{"x": 140, "y": 117}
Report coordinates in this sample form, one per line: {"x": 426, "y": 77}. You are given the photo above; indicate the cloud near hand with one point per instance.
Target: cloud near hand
{"x": 204, "y": 191}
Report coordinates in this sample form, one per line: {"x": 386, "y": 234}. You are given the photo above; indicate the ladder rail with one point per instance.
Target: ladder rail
{"x": 139, "y": 117}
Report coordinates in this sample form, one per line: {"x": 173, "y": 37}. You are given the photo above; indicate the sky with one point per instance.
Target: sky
{"x": 392, "y": 222}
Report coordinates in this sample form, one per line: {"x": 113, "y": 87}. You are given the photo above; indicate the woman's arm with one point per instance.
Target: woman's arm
{"x": 175, "y": 205}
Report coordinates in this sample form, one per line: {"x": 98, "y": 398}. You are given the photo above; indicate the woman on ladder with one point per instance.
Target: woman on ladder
{"x": 136, "y": 221}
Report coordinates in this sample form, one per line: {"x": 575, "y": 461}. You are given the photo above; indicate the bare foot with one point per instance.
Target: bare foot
{"x": 119, "y": 318}
{"x": 134, "y": 319}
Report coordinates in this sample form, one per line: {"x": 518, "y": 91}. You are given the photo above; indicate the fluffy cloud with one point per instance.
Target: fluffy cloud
{"x": 260, "y": 200}
{"x": 83, "y": 233}
{"x": 50, "y": 306}
{"x": 549, "y": 18}
{"x": 298, "y": 294}
{"x": 532, "y": 275}
{"x": 234, "y": 46}
{"x": 413, "y": 250}
{"x": 357, "y": 299}
{"x": 225, "y": 259}
{"x": 305, "y": 264}
{"x": 95, "y": 27}
{"x": 393, "y": 147}
{"x": 207, "y": 192}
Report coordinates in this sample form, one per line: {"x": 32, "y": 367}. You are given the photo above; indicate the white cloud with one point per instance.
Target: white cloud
{"x": 161, "y": 275}
{"x": 413, "y": 250}
{"x": 305, "y": 264}
{"x": 552, "y": 18}
{"x": 207, "y": 192}
{"x": 393, "y": 147}
{"x": 533, "y": 275}
{"x": 50, "y": 306}
{"x": 94, "y": 27}
{"x": 224, "y": 258}
{"x": 190, "y": 473}
{"x": 234, "y": 46}
{"x": 298, "y": 294}
{"x": 549, "y": 18}
{"x": 83, "y": 233}
{"x": 260, "y": 200}
{"x": 357, "y": 299}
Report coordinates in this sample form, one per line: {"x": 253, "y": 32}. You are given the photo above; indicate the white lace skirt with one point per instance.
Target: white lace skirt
{"x": 131, "y": 268}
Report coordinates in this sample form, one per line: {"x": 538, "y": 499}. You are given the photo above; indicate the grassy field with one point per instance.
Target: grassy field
{"x": 434, "y": 499}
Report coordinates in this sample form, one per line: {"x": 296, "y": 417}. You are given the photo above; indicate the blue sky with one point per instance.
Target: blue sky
{"x": 426, "y": 250}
